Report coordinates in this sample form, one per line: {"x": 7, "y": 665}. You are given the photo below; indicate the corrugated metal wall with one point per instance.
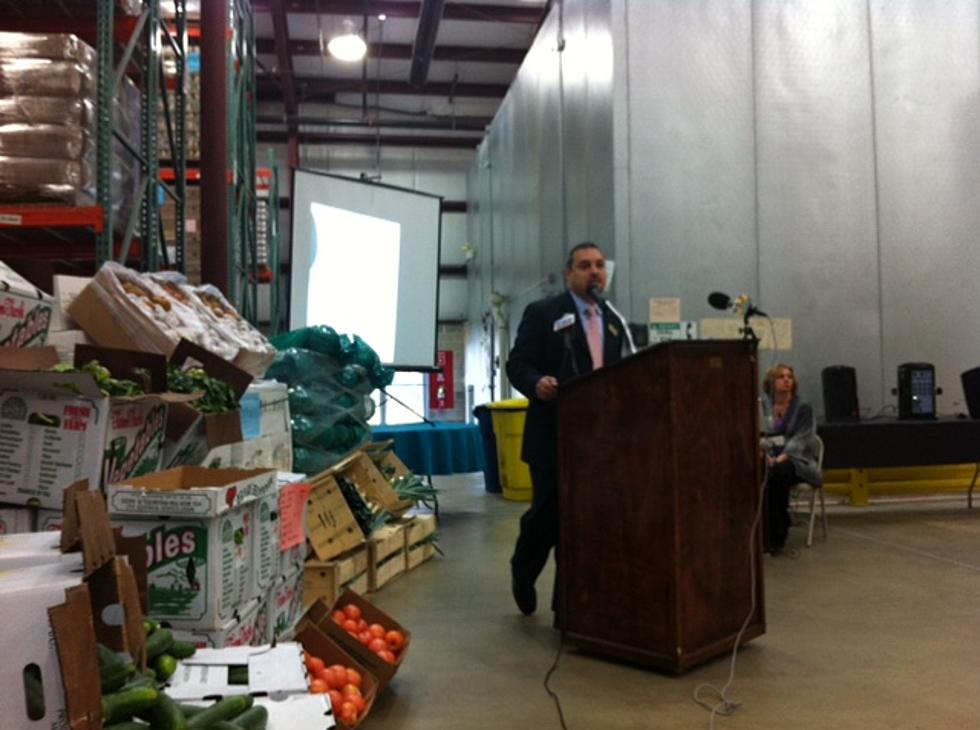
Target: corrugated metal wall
{"x": 822, "y": 156}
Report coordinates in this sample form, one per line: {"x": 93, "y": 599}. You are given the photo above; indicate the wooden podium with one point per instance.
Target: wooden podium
{"x": 659, "y": 486}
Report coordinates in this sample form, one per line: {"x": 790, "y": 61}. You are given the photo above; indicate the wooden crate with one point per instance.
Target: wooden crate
{"x": 417, "y": 548}
{"x": 386, "y": 555}
{"x": 330, "y": 524}
{"x": 361, "y": 470}
{"x": 328, "y": 579}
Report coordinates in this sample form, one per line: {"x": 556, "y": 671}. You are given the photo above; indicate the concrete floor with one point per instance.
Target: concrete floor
{"x": 878, "y": 627}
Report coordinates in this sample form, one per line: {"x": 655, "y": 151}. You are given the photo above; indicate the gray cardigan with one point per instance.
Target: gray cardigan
{"x": 799, "y": 427}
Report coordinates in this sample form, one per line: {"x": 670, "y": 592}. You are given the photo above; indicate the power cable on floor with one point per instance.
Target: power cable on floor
{"x": 551, "y": 692}
{"x": 724, "y": 705}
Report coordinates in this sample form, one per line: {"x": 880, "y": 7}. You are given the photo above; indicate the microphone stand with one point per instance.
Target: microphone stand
{"x": 748, "y": 334}
{"x": 407, "y": 407}
{"x": 624, "y": 323}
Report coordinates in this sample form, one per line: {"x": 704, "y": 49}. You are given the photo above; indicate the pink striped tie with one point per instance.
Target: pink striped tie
{"x": 594, "y": 332}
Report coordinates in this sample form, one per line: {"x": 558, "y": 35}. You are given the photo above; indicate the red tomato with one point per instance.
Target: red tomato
{"x": 362, "y": 624}
{"x": 335, "y": 699}
{"x": 364, "y": 637}
{"x": 358, "y": 702}
{"x": 354, "y": 678}
{"x": 339, "y": 616}
{"x": 314, "y": 664}
{"x": 348, "y": 713}
{"x": 387, "y": 656}
{"x": 349, "y": 689}
{"x": 339, "y": 672}
{"x": 377, "y": 630}
{"x": 395, "y": 640}
{"x": 377, "y": 645}
{"x": 318, "y": 687}
{"x": 350, "y": 626}
{"x": 352, "y": 611}
{"x": 324, "y": 674}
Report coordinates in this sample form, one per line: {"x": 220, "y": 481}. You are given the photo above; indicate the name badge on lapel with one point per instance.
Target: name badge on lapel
{"x": 563, "y": 322}
{"x": 613, "y": 329}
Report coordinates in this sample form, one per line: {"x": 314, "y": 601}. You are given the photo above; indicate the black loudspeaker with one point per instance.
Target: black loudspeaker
{"x": 971, "y": 389}
{"x": 916, "y": 390}
{"x": 840, "y": 393}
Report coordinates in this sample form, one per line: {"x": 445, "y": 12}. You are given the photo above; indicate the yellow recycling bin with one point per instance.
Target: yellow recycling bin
{"x": 508, "y": 429}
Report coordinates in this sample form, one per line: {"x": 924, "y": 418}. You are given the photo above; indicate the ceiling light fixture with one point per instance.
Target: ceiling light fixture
{"x": 348, "y": 46}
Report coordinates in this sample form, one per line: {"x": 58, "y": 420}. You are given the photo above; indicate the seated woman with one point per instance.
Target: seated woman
{"x": 789, "y": 427}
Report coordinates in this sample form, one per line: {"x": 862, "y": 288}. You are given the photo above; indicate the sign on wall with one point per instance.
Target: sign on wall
{"x": 441, "y": 386}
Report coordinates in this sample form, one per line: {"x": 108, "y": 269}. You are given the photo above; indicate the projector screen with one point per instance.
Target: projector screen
{"x": 365, "y": 260}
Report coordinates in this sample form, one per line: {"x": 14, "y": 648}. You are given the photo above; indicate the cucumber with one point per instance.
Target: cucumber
{"x": 191, "y": 710}
{"x": 158, "y": 642}
{"x": 225, "y": 725}
{"x": 254, "y": 718}
{"x": 164, "y": 666}
{"x": 166, "y": 715}
{"x": 128, "y": 725}
{"x": 126, "y": 703}
{"x": 149, "y": 625}
{"x": 224, "y": 709}
{"x": 113, "y": 669}
{"x": 238, "y": 674}
{"x": 182, "y": 649}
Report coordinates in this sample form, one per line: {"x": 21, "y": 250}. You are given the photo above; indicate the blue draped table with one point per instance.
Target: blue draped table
{"x": 446, "y": 448}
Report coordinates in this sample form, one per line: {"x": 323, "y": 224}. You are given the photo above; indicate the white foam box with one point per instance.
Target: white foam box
{"x": 33, "y": 549}
{"x": 273, "y": 671}
{"x": 15, "y": 520}
{"x": 265, "y": 409}
{"x": 64, "y": 341}
{"x": 25, "y": 311}
{"x": 58, "y": 428}
{"x": 199, "y": 528}
{"x": 65, "y": 289}
{"x": 240, "y": 630}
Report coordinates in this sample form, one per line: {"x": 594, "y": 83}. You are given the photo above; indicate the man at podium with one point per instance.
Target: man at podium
{"x": 560, "y": 337}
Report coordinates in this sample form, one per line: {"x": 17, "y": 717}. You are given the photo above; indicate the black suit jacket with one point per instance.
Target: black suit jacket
{"x": 538, "y": 351}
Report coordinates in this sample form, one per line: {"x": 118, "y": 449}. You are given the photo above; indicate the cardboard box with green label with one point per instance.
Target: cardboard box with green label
{"x": 199, "y": 529}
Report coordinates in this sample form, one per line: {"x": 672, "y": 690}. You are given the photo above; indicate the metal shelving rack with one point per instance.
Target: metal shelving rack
{"x": 242, "y": 244}
{"x": 68, "y": 227}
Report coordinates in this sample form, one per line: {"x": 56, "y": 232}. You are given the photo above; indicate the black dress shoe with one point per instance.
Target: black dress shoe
{"x": 524, "y": 596}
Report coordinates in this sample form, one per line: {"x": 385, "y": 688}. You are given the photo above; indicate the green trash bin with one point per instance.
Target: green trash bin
{"x": 508, "y": 429}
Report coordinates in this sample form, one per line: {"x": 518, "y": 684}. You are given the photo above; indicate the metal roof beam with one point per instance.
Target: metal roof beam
{"x": 462, "y": 124}
{"x": 281, "y": 30}
{"x": 394, "y": 9}
{"x": 425, "y": 40}
{"x": 269, "y": 136}
{"x": 310, "y": 88}
{"x": 403, "y": 51}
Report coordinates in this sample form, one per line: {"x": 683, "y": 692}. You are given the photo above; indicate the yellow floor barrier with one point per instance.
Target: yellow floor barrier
{"x": 859, "y": 485}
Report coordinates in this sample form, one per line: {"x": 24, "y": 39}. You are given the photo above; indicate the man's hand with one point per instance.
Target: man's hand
{"x": 546, "y": 388}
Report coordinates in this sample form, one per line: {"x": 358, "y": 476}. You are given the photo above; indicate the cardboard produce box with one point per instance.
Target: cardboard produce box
{"x": 198, "y": 525}
{"x": 325, "y": 581}
{"x": 321, "y": 615}
{"x": 36, "y": 609}
{"x": 33, "y": 549}
{"x": 240, "y": 630}
{"x": 274, "y": 451}
{"x": 15, "y": 520}
{"x": 48, "y": 520}
{"x": 319, "y": 644}
{"x": 25, "y": 311}
{"x": 386, "y": 555}
{"x": 274, "y": 671}
{"x": 286, "y": 605}
{"x": 192, "y": 435}
{"x": 58, "y": 428}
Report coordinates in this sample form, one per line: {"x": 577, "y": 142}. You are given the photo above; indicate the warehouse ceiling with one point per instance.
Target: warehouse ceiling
{"x": 434, "y": 76}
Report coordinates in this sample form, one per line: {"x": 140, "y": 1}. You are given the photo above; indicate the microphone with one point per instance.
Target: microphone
{"x": 596, "y": 294}
{"x": 742, "y": 304}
